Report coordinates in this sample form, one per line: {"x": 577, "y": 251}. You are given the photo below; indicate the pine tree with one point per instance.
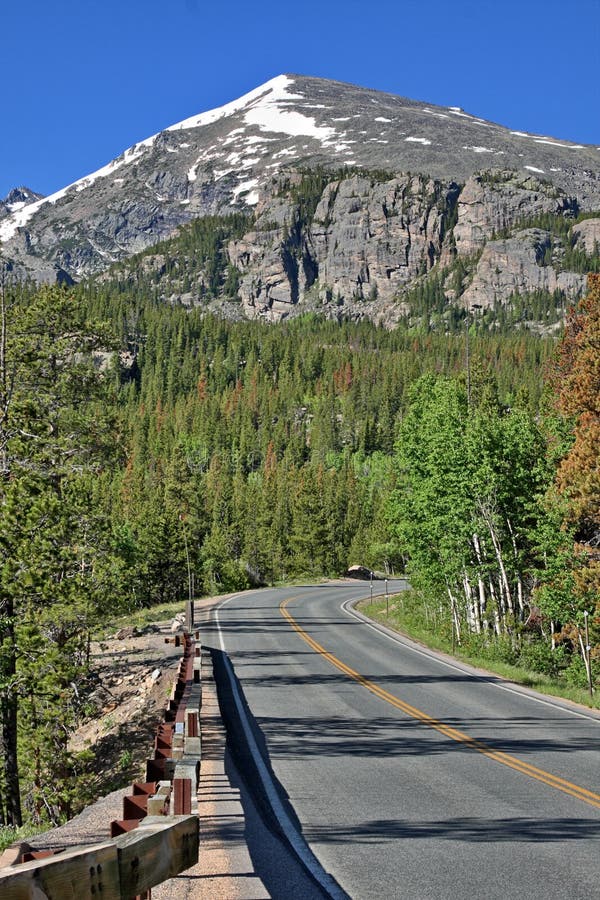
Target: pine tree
{"x": 573, "y": 585}
{"x": 52, "y": 434}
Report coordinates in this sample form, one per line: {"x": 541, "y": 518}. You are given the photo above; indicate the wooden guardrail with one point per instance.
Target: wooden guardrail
{"x": 122, "y": 868}
{"x": 157, "y": 837}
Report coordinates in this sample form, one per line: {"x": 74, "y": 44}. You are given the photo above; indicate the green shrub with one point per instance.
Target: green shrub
{"x": 538, "y": 656}
{"x": 495, "y": 648}
{"x": 576, "y": 674}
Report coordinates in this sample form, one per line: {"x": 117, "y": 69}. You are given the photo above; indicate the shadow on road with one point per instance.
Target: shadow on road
{"x": 398, "y": 736}
{"x": 473, "y": 830}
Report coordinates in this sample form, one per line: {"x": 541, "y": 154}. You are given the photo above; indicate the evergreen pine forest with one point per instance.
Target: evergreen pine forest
{"x": 134, "y": 431}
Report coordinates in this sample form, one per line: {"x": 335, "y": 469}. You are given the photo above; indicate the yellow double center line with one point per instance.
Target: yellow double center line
{"x": 560, "y": 784}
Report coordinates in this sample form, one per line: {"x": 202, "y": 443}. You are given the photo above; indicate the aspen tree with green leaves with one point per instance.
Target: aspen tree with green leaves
{"x": 463, "y": 509}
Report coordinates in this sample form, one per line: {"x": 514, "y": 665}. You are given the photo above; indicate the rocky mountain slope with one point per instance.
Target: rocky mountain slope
{"x": 399, "y": 190}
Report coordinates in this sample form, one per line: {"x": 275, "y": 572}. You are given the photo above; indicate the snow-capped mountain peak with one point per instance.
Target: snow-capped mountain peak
{"x": 216, "y": 162}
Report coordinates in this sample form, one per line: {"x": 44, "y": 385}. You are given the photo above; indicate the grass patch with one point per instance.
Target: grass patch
{"x": 165, "y": 612}
{"x": 140, "y": 618}
{"x": 430, "y": 625}
{"x": 8, "y": 834}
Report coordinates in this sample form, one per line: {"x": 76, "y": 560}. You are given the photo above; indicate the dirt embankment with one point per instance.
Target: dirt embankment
{"x": 132, "y": 673}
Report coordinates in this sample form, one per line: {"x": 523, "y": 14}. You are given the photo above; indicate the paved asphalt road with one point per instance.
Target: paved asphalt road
{"x": 411, "y": 776}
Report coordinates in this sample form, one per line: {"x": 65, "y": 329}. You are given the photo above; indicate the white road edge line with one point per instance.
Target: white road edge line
{"x": 298, "y": 844}
{"x": 347, "y": 607}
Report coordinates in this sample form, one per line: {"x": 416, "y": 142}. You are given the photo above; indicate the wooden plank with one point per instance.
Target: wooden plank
{"x": 158, "y": 849}
{"x": 158, "y": 806}
{"x": 195, "y": 697}
{"x": 84, "y": 873}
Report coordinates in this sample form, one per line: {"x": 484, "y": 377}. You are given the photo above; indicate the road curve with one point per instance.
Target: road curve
{"x": 410, "y": 775}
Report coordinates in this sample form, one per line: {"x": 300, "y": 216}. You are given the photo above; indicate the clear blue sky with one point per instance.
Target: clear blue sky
{"x": 84, "y": 80}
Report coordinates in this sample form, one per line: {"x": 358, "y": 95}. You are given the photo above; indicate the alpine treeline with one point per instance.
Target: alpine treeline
{"x": 167, "y": 442}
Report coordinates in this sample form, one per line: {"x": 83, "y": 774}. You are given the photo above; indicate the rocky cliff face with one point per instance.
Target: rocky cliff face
{"x": 369, "y": 240}
{"x": 475, "y": 192}
{"x": 366, "y": 241}
{"x": 587, "y": 236}
{"x": 519, "y": 265}
{"x": 494, "y": 201}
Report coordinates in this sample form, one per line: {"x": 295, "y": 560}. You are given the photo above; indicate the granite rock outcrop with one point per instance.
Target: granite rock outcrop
{"x": 366, "y": 240}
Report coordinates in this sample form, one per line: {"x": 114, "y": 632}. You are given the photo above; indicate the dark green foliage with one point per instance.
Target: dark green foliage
{"x": 468, "y": 473}
{"x": 251, "y": 409}
{"x": 525, "y": 310}
{"x": 308, "y": 191}
{"x": 563, "y": 252}
{"x": 193, "y": 261}
{"x": 56, "y": 434}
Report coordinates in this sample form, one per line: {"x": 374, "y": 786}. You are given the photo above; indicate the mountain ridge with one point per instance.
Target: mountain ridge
{"x": 229, "y": 159}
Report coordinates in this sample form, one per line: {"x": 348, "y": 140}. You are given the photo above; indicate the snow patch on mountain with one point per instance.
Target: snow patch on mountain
{"x": 268, "y": 115}
{"x": 276, "y": 89}
{"x": 433, "y": 112}
{"x": 559, "y": 144}
{"x": 22, "y": 216}
{"x": 477, "y": 149}
{"x": 249, "y": 188}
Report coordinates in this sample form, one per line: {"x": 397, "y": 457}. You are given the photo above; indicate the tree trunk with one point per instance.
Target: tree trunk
{"x": 584, "y": 656}
{"x": 480, "y": 583}
{"x": 473, "y": 617}
{"x": 504, "y": 583}
{"x": 498, "y": 609}
{"x": 455, "y": 616}
{"x": 8, "y": 720}
{"x": 520, "y": 599}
